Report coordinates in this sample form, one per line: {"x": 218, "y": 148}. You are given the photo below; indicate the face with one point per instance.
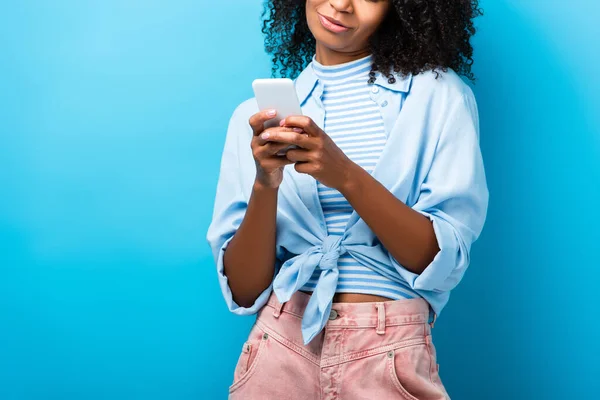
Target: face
{"x": 345, "y": 25}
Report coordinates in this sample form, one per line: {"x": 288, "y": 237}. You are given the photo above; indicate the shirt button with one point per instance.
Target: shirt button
{"x": 333, "y": 314}
{"x": 375, "y": 89}
{"x": 385, "y": 103}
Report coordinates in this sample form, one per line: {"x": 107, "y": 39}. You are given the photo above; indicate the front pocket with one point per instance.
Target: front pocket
{"x": 244, "y": 360}
{"x": 391, "y": 363}
{"x": 249, "y": 358}
{"x": 411, "y": 369}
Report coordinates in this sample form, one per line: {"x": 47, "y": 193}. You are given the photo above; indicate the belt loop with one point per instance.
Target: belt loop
{"x": 278, "y": 307}
{"x": 380, "y": 318}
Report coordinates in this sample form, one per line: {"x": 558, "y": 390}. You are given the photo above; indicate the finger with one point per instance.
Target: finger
{"x": 303, "y": 122}
{"x": 274, "y": 163}
{"x": 304, "y": 168}
{"x": 298, "y": 155}
{"x": 257, "y": 121}
{"x": 272, "y": 132}
{"x": 290, "y": 137}
{"x": 271, "y": 149}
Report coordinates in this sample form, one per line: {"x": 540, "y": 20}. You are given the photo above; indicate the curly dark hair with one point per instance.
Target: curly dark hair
{"x": 414, "y": 37}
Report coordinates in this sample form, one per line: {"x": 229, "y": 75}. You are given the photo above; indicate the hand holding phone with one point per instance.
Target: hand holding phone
{"x": 279, "y": 94}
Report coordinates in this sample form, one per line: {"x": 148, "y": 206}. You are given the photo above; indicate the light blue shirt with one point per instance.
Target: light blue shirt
{"x": 431, "y": 161}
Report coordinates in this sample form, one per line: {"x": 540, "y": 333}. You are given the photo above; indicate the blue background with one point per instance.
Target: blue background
{"x": 112, "y": 119}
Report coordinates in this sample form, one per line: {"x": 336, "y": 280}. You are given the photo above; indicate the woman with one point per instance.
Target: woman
{"x": 348, "y": 246}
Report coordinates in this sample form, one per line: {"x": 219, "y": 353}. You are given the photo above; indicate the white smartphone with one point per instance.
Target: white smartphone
{"x": 280, "y": 94}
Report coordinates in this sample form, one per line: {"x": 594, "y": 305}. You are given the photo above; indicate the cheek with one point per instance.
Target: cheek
{"x": 367, "y": 28}
{"x": 311, "y": 12}
{"x": 311, "y": 20}
{"x": 372, "y": 17}
{"x": 313, "y": 5}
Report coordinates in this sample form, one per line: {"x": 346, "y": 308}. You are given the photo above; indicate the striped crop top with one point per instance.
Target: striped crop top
{"x": 354, "y": 122}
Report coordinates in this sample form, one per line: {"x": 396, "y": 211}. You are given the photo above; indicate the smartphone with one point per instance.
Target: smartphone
{"x": 280, "y": 94}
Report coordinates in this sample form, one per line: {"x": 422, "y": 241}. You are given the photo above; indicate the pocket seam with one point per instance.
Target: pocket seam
{"x": 250, "y": 371}
{"x": 289, "y": 345}
{"x": 243, "y": 359}
{"x": 394, "y": 376}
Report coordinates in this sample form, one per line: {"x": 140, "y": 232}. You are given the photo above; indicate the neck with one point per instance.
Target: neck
{"x": 326, "y": 56}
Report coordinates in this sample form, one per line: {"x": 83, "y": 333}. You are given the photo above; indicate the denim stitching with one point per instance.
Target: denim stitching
{"x": 289, "y": 344}
{"x": 356, "y": 355}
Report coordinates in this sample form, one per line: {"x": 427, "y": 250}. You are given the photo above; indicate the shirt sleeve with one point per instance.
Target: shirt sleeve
{"x": 454, "y": 196}
{"x": 231, "y": 204}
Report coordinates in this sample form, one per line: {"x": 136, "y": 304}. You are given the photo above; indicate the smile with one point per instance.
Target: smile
{"x": 332, "y": 26}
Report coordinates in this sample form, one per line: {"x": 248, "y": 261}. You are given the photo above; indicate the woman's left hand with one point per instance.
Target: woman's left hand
{"x": 317, "y": 155}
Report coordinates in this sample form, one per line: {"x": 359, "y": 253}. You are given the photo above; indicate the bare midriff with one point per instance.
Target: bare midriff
{"x": 356, "y": 298}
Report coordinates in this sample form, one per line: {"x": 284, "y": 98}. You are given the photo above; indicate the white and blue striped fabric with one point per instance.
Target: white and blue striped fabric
{"x": 354, "y": 122}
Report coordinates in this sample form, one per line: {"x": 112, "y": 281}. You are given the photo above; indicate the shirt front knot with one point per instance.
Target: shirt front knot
{"x": 298, "y": 270}
{"x": 332, "y": 249}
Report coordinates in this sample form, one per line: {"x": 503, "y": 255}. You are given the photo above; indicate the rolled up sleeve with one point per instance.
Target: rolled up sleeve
{"x": 231, "y": 204}
{"x": 454, "y": 196}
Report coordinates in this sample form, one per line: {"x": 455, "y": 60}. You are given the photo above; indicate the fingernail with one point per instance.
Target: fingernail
{"x": 282, "y": 122}
{"x": 271, "y": 113}
{"x": 265, "y": 136}
{"x": 299, "y": 130}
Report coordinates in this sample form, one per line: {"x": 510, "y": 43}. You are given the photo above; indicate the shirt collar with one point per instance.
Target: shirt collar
{"x": 307, "y": 80}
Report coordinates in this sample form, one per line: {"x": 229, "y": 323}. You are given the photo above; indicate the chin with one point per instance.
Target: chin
{"x": 333, "y": 45}
{"x": 329, "y": 40}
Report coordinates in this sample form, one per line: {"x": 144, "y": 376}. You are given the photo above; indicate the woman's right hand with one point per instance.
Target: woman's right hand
{"x": 269, "y": 166}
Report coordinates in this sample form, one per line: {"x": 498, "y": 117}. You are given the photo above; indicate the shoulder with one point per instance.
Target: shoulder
{"x": 447, "y": 86}
{"x": 441, "y": 97}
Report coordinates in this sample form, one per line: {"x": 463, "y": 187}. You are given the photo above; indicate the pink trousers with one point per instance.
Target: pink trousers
{"x": 367, "y": 351}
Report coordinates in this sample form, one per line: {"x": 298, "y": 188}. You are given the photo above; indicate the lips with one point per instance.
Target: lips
{"x": 334, "y": 21}
{"x": 332, "y": 25}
